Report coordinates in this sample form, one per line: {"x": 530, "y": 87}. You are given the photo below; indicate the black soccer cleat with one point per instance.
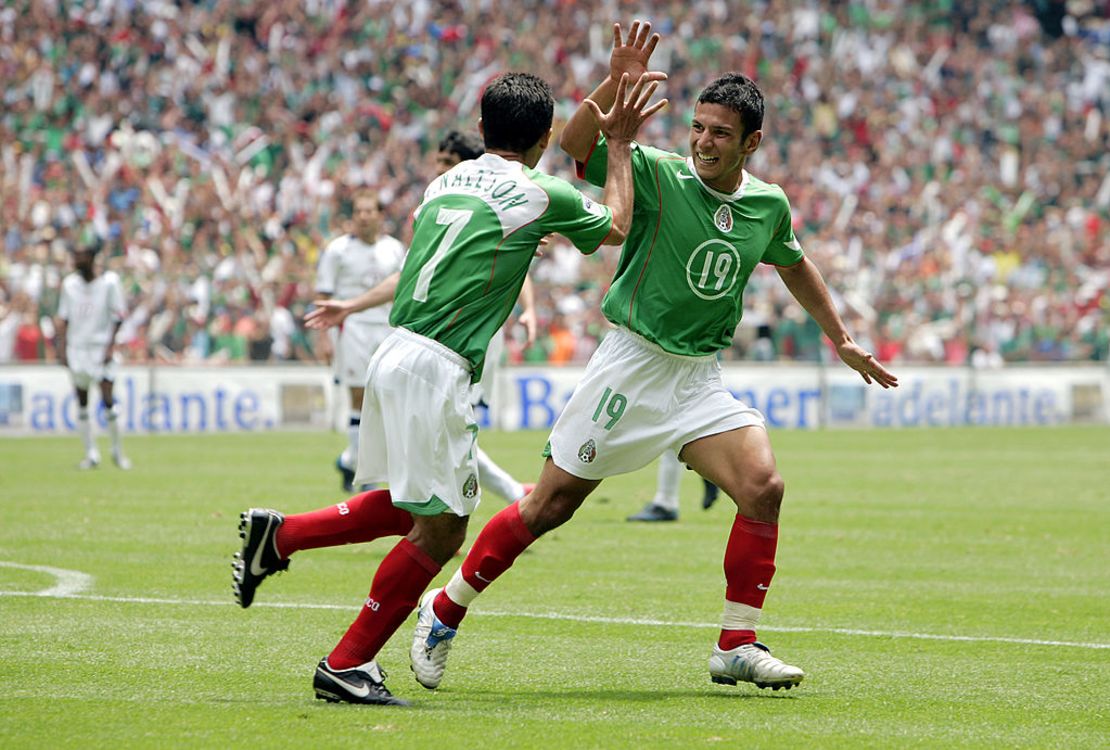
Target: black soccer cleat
{"x": 712, "y": 492}
{"x": 653, "y": 512}
{"x": 347, "y": 476}
{"x": 364, "y": 684}
{"x": 258, "y": 558}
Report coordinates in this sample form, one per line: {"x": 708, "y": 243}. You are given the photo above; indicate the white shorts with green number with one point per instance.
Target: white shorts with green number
{"x": 418, "y": 431}
{"x": 636, "y": 401}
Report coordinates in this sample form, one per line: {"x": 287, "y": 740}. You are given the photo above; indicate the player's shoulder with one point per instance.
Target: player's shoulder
{"x": 110, "y": 277}
{"x": 337, "y": 243}
{"x": 757, "y": 187}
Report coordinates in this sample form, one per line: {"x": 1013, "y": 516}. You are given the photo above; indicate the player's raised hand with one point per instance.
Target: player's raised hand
{"x": 632, "y": 56}
{"x": 628, "y": 112}
{"x": 864, "y": 362}
{"x": 327, "y": 313}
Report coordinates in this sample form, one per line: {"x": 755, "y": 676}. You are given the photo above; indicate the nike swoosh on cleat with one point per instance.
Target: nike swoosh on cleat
{"x": 360, "y": 691}
{"x": 256, "y": 567}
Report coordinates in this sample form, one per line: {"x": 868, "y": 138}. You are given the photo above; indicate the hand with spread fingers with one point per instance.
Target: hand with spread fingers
{"x": 627, "y": 114}
{"x": 632, "y": 57}
{"x": 327, "y": 313}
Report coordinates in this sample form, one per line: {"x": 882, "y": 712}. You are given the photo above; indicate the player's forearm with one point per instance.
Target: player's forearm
{"x": 528, "y": 296}
{"x": 618, "y": 194}
{"x": 375, "y": 296}
{"x": 581, "y": 130}
{"x": 808, "y": 287}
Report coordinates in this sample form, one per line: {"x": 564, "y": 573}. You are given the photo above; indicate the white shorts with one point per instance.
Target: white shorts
{"x": 418, "y": 430}
{"x": 483, "y": 389}
{"x": 87, "y": 367}
{"x": 356, "y": 345}
{"x": 636, "y": 401}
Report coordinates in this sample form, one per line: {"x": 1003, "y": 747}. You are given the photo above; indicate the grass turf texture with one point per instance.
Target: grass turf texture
{"x": 991, "y": 533}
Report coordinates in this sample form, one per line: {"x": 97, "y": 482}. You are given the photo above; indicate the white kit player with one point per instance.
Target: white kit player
{"x": 90, "y": 312}
{"x": 350, "y": 265}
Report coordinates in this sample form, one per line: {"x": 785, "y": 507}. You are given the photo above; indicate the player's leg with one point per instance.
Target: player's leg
{"x": 664, "y": 506}
{"x": 81, "y": 382}
{"x": 554, "y": 500}
{"x": 107, "y": 385}
{"x": 497, "y": 480}
{"x": 349, "y": 672}
{"x": 742, "y": 464}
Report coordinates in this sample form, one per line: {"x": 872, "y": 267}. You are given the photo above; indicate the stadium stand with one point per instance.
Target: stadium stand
{"x": 948, "y": 162}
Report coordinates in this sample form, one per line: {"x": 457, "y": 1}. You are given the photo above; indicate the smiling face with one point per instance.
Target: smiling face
{"x": 719, "y": 146}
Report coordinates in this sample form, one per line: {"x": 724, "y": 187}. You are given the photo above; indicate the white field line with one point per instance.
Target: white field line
{"x": 66, "y": 582}
{"x": 571, "y": 618}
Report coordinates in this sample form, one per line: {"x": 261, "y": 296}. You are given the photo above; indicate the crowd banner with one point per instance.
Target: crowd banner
{"x": 39, "y": 399}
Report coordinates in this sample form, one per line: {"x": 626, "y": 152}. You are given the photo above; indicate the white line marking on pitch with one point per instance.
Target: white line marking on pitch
{"x": 66, "y": 582}
{"x": 569, "y": 618}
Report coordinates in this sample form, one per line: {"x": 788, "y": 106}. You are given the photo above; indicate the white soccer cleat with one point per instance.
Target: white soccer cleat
{"x": 431, "y": 641}
{"x": 121, "y": 461}
{"x": 90, "y": 461}
{"x": 752, "y": 663}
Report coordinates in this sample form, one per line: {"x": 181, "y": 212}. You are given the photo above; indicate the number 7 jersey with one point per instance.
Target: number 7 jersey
{"x": 474, "y": 236}
{"x": 681, "y": 278}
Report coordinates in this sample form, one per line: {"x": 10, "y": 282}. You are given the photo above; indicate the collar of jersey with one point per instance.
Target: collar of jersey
{"x": 734, "y": 196}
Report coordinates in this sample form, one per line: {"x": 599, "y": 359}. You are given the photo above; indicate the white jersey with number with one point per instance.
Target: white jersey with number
{"x": 348, "y": 267}
{"x": 91, "y": 309}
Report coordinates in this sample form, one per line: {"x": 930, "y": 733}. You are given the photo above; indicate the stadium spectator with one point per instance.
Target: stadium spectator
{"x": 702, "y": 223}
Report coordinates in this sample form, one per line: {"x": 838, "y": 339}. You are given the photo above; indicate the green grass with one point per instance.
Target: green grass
{"x": 991, "y": 534}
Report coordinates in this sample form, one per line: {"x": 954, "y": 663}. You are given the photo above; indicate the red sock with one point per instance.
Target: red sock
{"x": 361, "y": 518}
{"x": 749, "y": 567}
{"x": 403, "y": 575}
{"x": 495, "y": 550}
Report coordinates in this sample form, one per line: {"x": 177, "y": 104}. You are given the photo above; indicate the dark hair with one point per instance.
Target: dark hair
{"x": 517, "y": 109}
{"x": 740, "y": 94}
{"x": 465, "y": 146}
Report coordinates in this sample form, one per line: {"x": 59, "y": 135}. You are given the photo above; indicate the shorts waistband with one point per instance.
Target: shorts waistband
{"x": 431, "y": 344}
{"x": 655, "y": 348}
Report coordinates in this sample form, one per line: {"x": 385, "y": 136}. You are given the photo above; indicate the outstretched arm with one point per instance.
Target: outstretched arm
{"x": 332, "y": 312}
{"x": 528, "y": 313}
{"x": 808, "y": 287}
{"x": 632, "y": 58}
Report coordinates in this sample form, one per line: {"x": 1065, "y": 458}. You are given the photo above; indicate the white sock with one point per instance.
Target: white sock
{"x": 84, "y": 429}
{"x": 492, "y": 477}
{"x": 459, "y": 591}
{"x": 350, "y": 456}
{"x": 670, "y": 476}
{"x": 113, "y": 430}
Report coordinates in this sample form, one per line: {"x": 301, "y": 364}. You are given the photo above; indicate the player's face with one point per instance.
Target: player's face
{"x": 445, "y": 160}
{"x": 718, "y": 146}
{"x": 367, "y": 216}
{"x": 83, "y": 262}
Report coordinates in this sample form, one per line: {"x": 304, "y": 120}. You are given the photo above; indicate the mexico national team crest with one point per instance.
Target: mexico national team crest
{"x": 470, "y": 487}
{"x": 588, "y": 452}
{"x": 723, "y": 218}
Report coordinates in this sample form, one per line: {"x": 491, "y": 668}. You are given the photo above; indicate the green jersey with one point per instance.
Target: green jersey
{"x": 682, "y": 272}
{"x": 473, "y": 239}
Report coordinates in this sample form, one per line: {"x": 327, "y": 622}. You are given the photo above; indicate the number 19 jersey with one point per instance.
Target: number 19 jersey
{"x": 474, "y": 236}
{"x": 681, "y": 277}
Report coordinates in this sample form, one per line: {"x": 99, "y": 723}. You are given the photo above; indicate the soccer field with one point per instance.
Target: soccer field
{"x": 946, "y": 588}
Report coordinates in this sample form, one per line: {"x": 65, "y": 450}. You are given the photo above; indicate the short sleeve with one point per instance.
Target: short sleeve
{"x": 63, "y": 303}
{"x": 327, "y": 270}
{"x": 116, "y": 303}
{"x": 784, "y": 248}
{"x": 574, "y": 215}
{"x": 645, "y": 160}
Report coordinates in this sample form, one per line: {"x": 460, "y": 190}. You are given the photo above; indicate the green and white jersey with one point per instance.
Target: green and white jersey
{"x": 473, "y": 239}
{"x": 690, "y": 251}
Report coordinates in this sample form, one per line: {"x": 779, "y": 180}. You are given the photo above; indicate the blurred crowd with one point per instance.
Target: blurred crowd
{"x": 948, "y": 163}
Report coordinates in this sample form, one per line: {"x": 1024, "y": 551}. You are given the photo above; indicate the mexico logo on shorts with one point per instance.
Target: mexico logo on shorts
{"x": 470, "y": 487}
{"x": 588, "y": 452}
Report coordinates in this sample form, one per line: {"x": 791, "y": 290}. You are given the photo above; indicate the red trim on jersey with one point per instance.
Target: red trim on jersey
{"x": 580, "y": 166}
{"x": 654, "y": 237}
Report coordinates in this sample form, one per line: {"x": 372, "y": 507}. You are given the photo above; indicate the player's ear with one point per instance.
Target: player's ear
{"x": 752, "y": 141}
{"x": 545, "y": 139}
{"x": 481, "y": 129}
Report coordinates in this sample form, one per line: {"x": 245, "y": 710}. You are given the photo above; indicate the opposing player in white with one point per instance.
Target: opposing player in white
{"x": 351, "y": 264}
{"x": 90, "y": 311}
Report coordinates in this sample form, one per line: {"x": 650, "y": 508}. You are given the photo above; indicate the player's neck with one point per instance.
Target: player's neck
{"x": 87, "y": 274}
{"x": 511, "y": 156}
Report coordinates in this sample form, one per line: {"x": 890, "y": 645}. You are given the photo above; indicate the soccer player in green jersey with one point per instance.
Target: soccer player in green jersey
{"x": 700, "y": 225}
{"x": 474, "y": 236}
